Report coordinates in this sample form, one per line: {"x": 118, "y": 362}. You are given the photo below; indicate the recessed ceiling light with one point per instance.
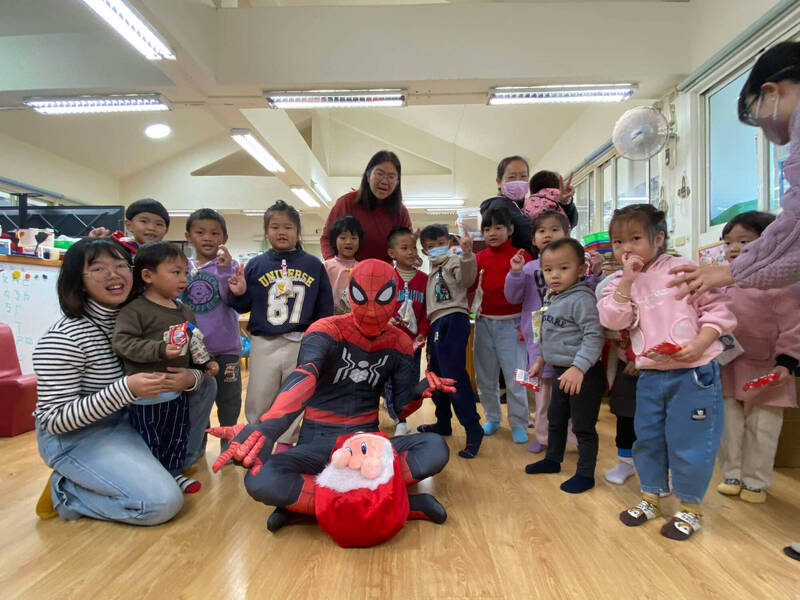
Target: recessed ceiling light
{"x": 157, "y": 130}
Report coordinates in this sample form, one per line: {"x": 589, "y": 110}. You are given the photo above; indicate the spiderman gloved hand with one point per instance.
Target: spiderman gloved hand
{"x": 250, "y": 446}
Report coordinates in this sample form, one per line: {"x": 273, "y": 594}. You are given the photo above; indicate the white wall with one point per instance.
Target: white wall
{"x": 171, "y": 182}
{"x": 588, "y": 133}
{"x": 37, "y": 167}
{"x": 715, "y": 23}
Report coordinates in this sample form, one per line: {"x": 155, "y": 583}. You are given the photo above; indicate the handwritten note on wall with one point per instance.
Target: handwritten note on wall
{"x": 29, "y": 305}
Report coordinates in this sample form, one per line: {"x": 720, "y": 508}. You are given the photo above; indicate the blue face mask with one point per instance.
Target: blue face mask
{"x": 438, "y": 252}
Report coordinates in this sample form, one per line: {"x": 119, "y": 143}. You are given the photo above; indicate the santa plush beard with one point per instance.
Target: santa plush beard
{"x": 345, "y": 479}
{"x": 358, "y": 512}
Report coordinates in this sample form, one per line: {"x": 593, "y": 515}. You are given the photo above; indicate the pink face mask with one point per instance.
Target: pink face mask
{"x": 515, "y": 190}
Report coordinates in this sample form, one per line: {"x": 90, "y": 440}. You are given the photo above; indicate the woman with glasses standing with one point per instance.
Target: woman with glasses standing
{"x": 770, "y": 99}
{"x": 102, "y": 468}
{"x": 377, "y": 204}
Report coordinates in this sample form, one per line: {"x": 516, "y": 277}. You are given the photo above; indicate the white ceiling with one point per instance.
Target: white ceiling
{"x": 113, "y": 144}
{"x": 446, "y": 53}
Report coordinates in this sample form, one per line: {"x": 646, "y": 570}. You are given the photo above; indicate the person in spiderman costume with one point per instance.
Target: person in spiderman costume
{"x": 343, "y": 364}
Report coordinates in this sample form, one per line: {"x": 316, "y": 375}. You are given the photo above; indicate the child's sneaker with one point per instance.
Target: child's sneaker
{"x": 402, "y": 428}
{"x": 730, "y": 487}
{"x": 682, "y": 526}
{"x": 640, "y": 514}
{"x": 754, "y": 496}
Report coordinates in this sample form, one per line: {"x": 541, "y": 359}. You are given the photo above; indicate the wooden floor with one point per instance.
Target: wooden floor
{"x": 508, "y": 535}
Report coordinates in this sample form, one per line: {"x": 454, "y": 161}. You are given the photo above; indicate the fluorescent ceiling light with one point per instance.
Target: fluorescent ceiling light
{"x": 253, "y": 213}
{"x": 304, "y": 195}
{"x": 321, "y": 192}
{"x": 337, "y": 98}
{"x": 179, "y": 213}
{"x": 542, "y": 94}
{"x": 433, "y": 202}
{"x": 256, "y": 149}
{"x": 157, "y": 131}
{"x": 138, "y": 32}
{"x": 97, "y": 104}
{"x": 441, "y": 211}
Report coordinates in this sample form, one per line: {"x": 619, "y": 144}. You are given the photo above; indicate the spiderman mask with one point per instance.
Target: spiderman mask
{"x": 373, "y": 293}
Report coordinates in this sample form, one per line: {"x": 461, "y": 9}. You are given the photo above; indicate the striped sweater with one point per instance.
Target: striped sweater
{"x": 79, "y": 377}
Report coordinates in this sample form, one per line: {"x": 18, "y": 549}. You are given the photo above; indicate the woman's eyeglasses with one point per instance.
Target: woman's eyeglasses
{"x": 748, "y": 111}
{"x": 101, "y": 274}
{"x": 390, "y": 177}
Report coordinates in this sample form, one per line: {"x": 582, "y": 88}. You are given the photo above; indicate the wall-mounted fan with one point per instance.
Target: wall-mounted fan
{"x": 641, "y": 133}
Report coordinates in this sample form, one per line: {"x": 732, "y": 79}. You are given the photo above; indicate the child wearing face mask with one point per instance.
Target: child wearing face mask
{"x": 448, "y": 314}
{"x": 512, "y": 183}
{"x": 679, "y": 408}
{"x": 769, "y": 331}
{"x": 497, "y": 329}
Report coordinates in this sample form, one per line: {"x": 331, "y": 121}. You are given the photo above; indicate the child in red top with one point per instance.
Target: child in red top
{"x": 498, "y": 344}
{"x": 411, "y": 315}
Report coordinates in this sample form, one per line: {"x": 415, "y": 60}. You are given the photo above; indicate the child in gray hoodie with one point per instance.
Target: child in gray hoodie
{"x": 571, "y": 339}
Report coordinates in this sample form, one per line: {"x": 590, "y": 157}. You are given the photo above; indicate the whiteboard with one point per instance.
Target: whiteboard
{"x": 29, "y": 305}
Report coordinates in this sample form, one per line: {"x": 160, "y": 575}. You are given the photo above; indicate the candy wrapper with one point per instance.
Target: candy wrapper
{"x": 178, "y": 335}
{"x": 731, "y": 349}
{"x": 417, "y": 345}
{"x": 406, "y": 312}
{"x": 536, "y": 323}
{"x": 662, "y": 351}
{"x": 197, "y": 347}
{"x": 529, "y": 382}
{"x": 284, "y": 287}
{"x": 760, "y": 382}
{"x": 477, "y": 300}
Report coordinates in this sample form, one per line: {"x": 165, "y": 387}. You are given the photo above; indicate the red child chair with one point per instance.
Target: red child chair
{"x": 17, "y": 391}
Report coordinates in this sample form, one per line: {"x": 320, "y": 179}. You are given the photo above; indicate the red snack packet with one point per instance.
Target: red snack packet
{"x": 526, "y": 380}
{"x": 662, "y": 351}
{"x": 178, "y": 334}
{"x": 760, "y": 382}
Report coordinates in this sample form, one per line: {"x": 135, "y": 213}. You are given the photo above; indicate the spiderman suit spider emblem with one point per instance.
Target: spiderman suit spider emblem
{"x": 343, "y": 365}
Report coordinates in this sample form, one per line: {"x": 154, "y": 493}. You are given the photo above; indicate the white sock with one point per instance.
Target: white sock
{"x": 622, "y": 471}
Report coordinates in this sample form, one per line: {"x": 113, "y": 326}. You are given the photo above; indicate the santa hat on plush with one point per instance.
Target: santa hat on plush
{"x": 546, "y": 199}
{"x": 361, "y": 499}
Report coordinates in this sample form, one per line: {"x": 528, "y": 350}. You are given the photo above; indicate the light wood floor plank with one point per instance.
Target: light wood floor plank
{"x": 508, "y": 535}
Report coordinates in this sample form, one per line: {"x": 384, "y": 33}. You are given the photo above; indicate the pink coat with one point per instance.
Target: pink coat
{"x": 773, "y": 260}
{"x": 768, "y": 325}
{"x": 338, "y": 271}
{"x": 655, "y": 315}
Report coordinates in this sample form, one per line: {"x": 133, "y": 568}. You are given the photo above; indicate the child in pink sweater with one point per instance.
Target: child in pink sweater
{"x": 679, "y": 412}
{"x": 769, "y": 331}
{"x": 345, "y": 237}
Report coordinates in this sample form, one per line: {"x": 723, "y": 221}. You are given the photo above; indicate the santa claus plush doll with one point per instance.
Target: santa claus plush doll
{"x": 361, "y": 497}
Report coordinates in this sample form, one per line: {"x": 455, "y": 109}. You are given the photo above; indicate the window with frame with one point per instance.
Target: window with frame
{"x": 583, "y": 202}
{"x": 733, "y": 160}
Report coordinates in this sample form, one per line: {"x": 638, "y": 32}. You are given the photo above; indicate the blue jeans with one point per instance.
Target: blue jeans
{"x": 678, "y": 423}
{"x": 497, "y": 346}
{"x": 106, "y": 471}
{"x": 201, "y": 401}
